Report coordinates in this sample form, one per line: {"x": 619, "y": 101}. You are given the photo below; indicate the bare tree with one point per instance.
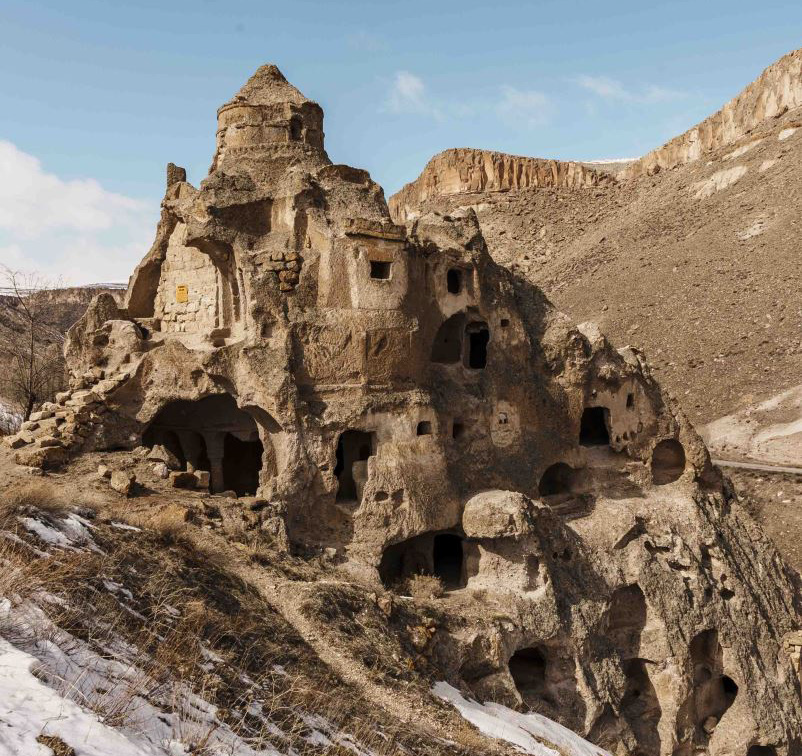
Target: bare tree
{"x": 31, "y": 359}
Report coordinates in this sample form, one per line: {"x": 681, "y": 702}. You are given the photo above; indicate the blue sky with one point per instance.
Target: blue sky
{"x": 97, "y": 96}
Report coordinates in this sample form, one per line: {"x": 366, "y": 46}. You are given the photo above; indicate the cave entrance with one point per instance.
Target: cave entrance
{"x": 242, "y": 462}
{"x": 215, "y": 435}
{"x": 454, "y": 281}
{"x": 641, "y": 707}
{"x": 668, "y": 462}
{"x": 478, "y": 335}
{"x": 713, "y": 692}
{"x": 593, "y": 429}
{"x": 447, "y": 346}
{"x": 528, "y": 670}
{"x": 447, "y": 560}
{"x": 438, "y": 554}
{"x": 354, "y": 448}
{"x": 558, "y": 479}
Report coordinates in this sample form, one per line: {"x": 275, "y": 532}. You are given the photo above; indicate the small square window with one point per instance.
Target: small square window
{"x": 454, "y": 281}
{"x": 424, "y": 428}
{"x": 380, "y": 270}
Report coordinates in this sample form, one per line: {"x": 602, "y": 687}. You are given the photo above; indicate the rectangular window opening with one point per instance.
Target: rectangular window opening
{"x": 380, "y": 270}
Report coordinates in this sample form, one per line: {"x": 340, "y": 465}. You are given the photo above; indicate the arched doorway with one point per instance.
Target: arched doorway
{"x": 214, "y": 434}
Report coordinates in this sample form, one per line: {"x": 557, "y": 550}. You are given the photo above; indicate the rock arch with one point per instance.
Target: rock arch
{"x": 214, "y": 432}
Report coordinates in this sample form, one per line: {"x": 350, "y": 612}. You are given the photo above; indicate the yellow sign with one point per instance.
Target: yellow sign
{"x": 182, "y": 293}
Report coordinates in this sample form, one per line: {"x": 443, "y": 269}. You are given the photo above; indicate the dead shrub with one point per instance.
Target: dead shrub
{"x": 424, "y": 587}
{"x": 40, "y": 496}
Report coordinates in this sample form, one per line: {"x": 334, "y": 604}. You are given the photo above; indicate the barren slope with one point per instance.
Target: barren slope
{"x": 698, "y": 265}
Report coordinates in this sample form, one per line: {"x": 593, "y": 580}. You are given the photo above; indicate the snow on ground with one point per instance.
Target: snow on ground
{"x": 98, "y": 697}
{"x": 785, "y": 133}
{"x": 532, "y": 733}
{"x": 28, "y": 709}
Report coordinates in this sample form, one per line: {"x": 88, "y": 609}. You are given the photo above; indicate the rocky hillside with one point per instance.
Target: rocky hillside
{"x": 697, "y": 264}
{"x": 467, "y": 171}
{"x": 145, "y": 631}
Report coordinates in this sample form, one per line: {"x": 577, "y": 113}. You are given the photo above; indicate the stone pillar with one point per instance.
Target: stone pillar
{"x": 191, "y": 447}
{"x": 214, "y": 450}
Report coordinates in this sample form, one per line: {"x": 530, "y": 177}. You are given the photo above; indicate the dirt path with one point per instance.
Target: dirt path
{"x": 758, "y": 467}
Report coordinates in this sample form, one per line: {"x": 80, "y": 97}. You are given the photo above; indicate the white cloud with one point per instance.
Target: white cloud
{"x": 365, "y": 41}
{"x": 524, "y": 107}
{"x": 73, "y": 230}
{"x": 613, "y": 89}
{"x": 408, "y": 95}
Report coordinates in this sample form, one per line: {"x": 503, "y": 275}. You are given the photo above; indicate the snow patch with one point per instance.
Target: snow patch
{"x": 766, "y": 164}
{"x": 785, "y": 133}
{"x": 532, "y": 733}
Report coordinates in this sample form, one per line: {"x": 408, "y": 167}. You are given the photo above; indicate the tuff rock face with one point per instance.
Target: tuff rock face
{"x": 463, "y": 170}
{"x": 776, "y": 91}
{"x": 409, "y": 403}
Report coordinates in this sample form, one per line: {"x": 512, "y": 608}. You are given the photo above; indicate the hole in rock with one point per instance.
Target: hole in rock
{"x": 215, "y": 435}
{"x": 457, "y": 429}
{"x": 454, "y": 281}
{"x": 528, "y": 670}
{"x": 713, "y": 691}
{"x": 558, "y": 479}
{"x": 242, "y": 461}
{"x": 626, "y": 619}
{"x": 761, "y": 750}
{"x": 354, "y": 448}
{"x": 424, "y": 428}
{"x": 504, "y": 322}
{"x": 296, "y": 127}
{"x": 478, "y": 337}
{"x": 380, "y": 270}
{"x": 641, "y": 707}
{"x": 447, "y": 559}
{"x": 593, "y": 429}
{"x": 438, "y": 554}
{"x": 447, "y": 346}
{"x": 381, "y": 496}
{"x": 630, "y": 401}
{"x": 668, "y": 462}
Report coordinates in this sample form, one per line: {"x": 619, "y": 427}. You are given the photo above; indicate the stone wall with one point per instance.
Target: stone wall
{"x": 186, "y": 266}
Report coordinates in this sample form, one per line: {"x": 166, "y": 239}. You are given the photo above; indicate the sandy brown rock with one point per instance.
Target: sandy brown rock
{"x": 392, "y": 398}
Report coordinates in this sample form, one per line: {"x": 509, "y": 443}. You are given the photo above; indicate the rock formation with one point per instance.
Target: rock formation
{"x": 407, "y": 404}
{"x": 462, "y": 170}
{"x": 776, "y": 91}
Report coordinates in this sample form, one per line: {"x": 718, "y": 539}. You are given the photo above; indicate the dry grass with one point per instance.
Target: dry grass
{"x": 424, "y": 587}
{"x": 193, "y": 627}
{"x": 38, "y": 496}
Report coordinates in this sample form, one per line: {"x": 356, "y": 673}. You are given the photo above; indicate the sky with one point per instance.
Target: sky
{"x": 96, "y": 96}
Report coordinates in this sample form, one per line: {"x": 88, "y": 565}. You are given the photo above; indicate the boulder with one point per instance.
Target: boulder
{"x": 162, "y": 454}
{"x": 497, "y": 514}
{"x": 123, "y": 482}
{"x": 183, "y": 479}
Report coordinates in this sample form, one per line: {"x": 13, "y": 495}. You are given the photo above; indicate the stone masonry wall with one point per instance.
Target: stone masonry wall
{"x": 186, "y": 266}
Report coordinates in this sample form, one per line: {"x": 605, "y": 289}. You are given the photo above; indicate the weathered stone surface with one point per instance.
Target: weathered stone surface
{"x": 776, "y": 90}
{"x": 497, "y": 514}
{"x": 122, "y": 482}
{"x": 46, "y": 458}
{"x": 183, "y": 479}
{"x": 462, "y": 170}
{"x": 162, "y": 454}
{"x": 376, "y": 389}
